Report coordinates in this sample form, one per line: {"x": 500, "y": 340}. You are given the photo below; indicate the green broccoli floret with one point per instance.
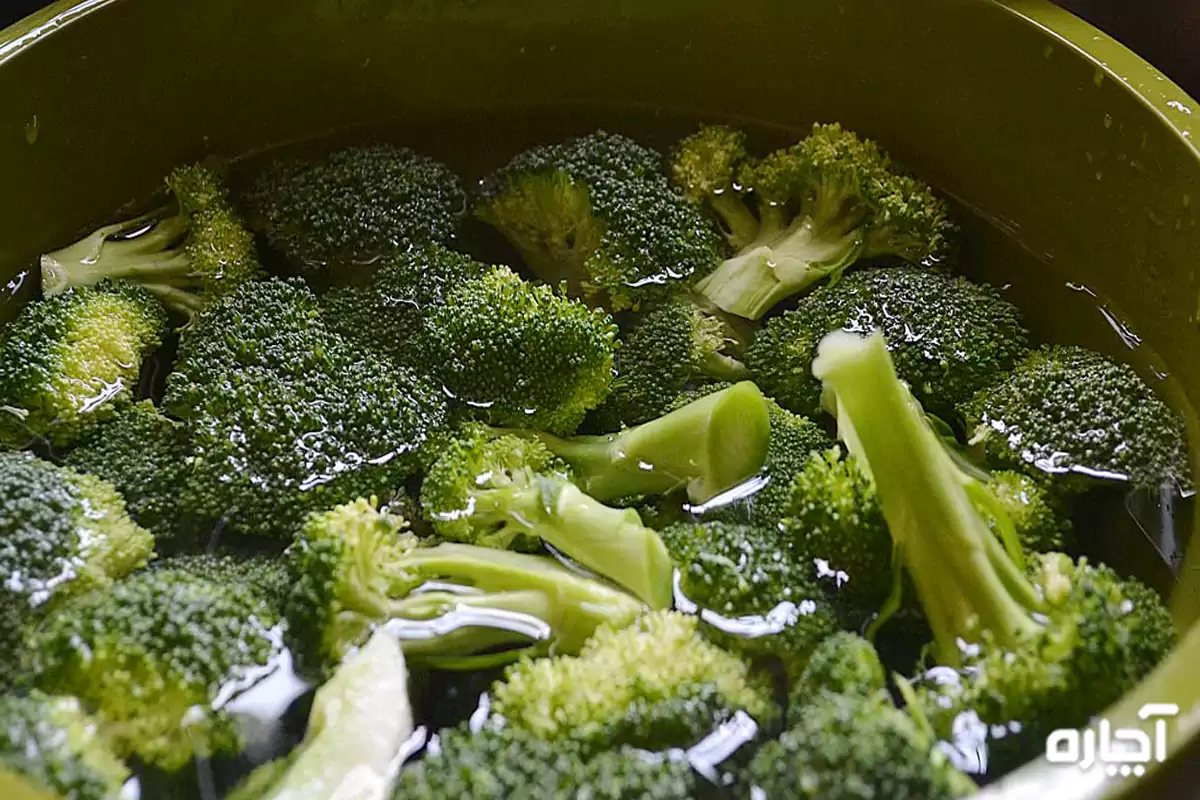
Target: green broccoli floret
{"x": 286, "y": 417}
{"x": 1036, "y": 514}
{"x": 754, "y": 596}
{"x": 949, "y": 337}
{"x": 185, "y": 254}
{"x": 335, "y": 218}
{"x": 518, "y": 354}
{"x": 150, "y": 655}
{"x": 823, "y": 205}
{"x": 1047, "y": 652}
{"x": 267, "y": 576}
{"x": 51, "y": 750}
{"x": 599, "y": 214}
{"x": 66, "y": 362}
{"x": 1068, "y": 410}
{"x": 387, "y": 315}
{"x": 707, "y": 446}
{"x": 505, "y": 762}
{"x": 655, "y": 684}
{"x": 355, "y": 568}
{"x": 857, "y": 746}
{"x": 507, "y": 491}
{"x": 145, "y": 456}
{"x": 843, "y": 663}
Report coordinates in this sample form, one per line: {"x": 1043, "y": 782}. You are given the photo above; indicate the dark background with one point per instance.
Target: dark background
{"x": 1165, "y": 32}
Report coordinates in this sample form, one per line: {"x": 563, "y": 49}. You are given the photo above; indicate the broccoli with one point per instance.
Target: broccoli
{"x": 756, "y": 599}
{"x": 507, "y": 491}
{"x": 67, "y": 361}
{"x": 355, "y": 568}
{"x": 707, "y": 446}
{"x": 518, "y": 354}
{"x": 267, "y": 576}
{"x": 949, "y": 337}
{"x": 145, "y": 456}
{"x": 335, "y": 218}
{"x": 387, "y": 316}
{"x": 1070, "y": 411}
{"x": 51, "y": 749}
{"x": 506, "y": 762}
{"x": 286, "y": 417}
{"x": 1036, "y": 512}
{"x": 598, "y": 214}
{"x": 655, "y": 684}
{"x": 1045, "y": 650}
{"x": 184, "y": 254}
{"x": 823, "y": 205}
{"x": 843, "y": 663}
{"x": 150, "y": 656}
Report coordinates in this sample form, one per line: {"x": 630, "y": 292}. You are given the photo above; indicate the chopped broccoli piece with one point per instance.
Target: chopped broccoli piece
{"x": 518, "y": 354}
{"x": 336, "y": 217}
{"x": 654, "y": 684}
{"x": 66, "y": 362}
{"x": 145, "y": 456}
{"x": 506, "y": 491}
{"x": 756, "y": 598}
{"x": 709, "y": 445}
{"x": 823, "y": 205}
{"x": 49, "y": 748}
{"x": 185, "y": 254}
{"x": 149, "y": 655}
{"x": 286, "y": 417}
{"x": 1039, "y": 521}
{"x": 355, "y": 568}
{"x": 949, "y": 337}
{"x": 599, "y": 214}
{"x": 843, "y": 663}
{"x": 267, "y": 576}
{"x": 1068, "y": 410}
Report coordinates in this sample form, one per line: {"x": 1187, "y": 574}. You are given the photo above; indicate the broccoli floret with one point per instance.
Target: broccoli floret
{"x": 388, "y": 314}
{"x": 756, "y": 598}
{"x": 599, "y": 214}
{"x": 707, "y": 446}
{"x": 355, "y": 568}
{"x": 149, "y": 656}
{"x": 1068, "y": 410}
{"x": 337, "y": 217}
{"x": 286, "y": 417}
{"x": 506, "y": 762}
{"x": 66, "y": 362}
{"x": 519, "y": 354}
{"x": 1048, "y": 652}
{"x": 949, "y": 337}
{"x": 185, "y": 254}
{"x": 50, "y": 748}
{"x": 856, "y": 746}
{"x": 145, "y": 456}
{"x": 843, "y": 663}
{"x": 655, "y": 684}
{"x": 823, "y": 205}
{"x": 1041, "y": 524}
{"x": 506, "y": 491}
{"x": 267, "y": 576}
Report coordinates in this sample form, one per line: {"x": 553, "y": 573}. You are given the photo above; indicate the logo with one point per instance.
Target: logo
{"x": 1122, "y": 752}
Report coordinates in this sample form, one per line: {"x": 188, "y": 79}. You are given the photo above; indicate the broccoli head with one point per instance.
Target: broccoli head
{"x": 507, "y": 491}
{"x": 50, "y": 748}
{"x": 1067, "y": 410}
{"x": 948, "y": 337}
{"x": 355, "y": 568}
{"x": 150, "y": 655}
{"x": 67, "y": 361}
{"x": 185, "y": 254}
{"x": 267, "y": 576}
{"x": 822, "y": 206}
{"x": 599, "y": 214}
{"x": 519, "y": 354}
{"x": 334, "y": 218}
{"x": 1036, "y": 512}
{"x": 654, "y": 684}
{"x": 843, "y": 663}
{"x": 286, "y": 417}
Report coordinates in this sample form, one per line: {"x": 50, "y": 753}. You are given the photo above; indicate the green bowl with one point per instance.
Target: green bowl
{"x": 1060, "y": 139}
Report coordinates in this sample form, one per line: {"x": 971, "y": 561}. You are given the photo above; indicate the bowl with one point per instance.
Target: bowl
{"x": 1075, "y": 156}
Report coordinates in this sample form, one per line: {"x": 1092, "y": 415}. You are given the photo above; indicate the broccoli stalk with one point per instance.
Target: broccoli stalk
{"x": 708, "y": 446}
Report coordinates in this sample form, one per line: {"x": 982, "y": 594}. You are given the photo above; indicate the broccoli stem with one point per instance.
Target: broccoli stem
{"x": 149, "y": 254}
{"x": 710, "y": 445}
{"x": 450, "y": 624}
{"x": 966, "y": 582}
{"x": 741, "y": 225}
